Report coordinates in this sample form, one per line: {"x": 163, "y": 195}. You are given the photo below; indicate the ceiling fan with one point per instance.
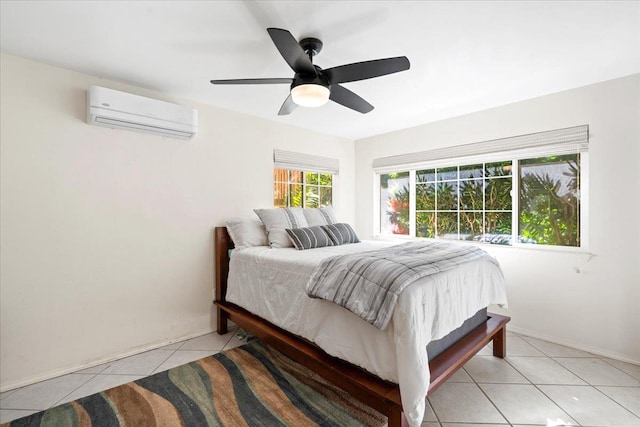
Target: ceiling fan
{"x": 311, "y": 86}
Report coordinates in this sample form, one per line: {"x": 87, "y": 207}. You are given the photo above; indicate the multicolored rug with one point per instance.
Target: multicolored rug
{"x": 252, "y": 385}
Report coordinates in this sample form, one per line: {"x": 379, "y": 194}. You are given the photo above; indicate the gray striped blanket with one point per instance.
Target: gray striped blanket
{"x": 369, "y": 283}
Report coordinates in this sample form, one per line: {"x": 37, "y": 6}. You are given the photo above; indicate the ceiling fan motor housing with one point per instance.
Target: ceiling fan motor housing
{"x": 310, "y": 79}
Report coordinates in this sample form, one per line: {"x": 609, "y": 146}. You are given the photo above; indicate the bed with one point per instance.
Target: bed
{"x": 374, "y": 381}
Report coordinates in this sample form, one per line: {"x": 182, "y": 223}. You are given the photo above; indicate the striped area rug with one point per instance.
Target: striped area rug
{"x": 251, "y": 385}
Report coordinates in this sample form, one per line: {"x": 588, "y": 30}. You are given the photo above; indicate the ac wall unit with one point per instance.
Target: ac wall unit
{"x": 121, "y": 110}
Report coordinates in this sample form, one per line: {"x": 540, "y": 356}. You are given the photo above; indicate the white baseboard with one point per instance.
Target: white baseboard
{"x": 578, "y": 346}
{"x": 90, "y": 364}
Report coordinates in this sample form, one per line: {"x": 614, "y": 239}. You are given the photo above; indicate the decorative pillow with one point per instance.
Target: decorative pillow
{"x": 247, "y": 232}
{"x": 309, "y": 238}
{"x": 341, "y": 233}
{"x": 277, "y": 220}
{"x": 320, "y": 216}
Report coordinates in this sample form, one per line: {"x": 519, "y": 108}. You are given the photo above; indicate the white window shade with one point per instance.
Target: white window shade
{"x": 548, "y": 143}
{"x": 305, "y": 162}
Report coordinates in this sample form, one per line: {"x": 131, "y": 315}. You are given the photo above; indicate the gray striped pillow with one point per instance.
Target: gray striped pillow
{"x": 341, "y": 233}
{"x": 309, "y": 237}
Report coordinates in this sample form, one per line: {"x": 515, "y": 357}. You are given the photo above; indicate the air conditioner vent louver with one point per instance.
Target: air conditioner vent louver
{"x": 114, "y": 109}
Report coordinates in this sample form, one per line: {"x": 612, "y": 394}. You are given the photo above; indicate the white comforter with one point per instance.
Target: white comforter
{"x": 271, "y": 283}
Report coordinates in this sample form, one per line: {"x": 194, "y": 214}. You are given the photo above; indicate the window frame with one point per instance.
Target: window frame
{"x": 515, "y": 182}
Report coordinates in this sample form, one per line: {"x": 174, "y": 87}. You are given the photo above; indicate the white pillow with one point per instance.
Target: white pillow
{"x": 277, "y": 220}
{"x": 247, "y": 232}
{"x": 320, "y": 216}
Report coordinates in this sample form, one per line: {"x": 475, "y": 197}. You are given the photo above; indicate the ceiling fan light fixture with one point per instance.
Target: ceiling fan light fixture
{"x": 310, "y": 95}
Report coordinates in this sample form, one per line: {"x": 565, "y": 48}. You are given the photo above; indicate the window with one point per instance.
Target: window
{"x": 303, "y": 180}
{"x": 293, "y": 188}
{"x": 525, "y": 198}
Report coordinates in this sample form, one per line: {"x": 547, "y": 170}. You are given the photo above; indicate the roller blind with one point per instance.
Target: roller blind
{"x": 304, "y": 162}
{"x": 548, "y": 143}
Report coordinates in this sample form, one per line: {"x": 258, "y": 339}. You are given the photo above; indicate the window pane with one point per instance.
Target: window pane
{"x": 325, "y": 196}
{"x": 448, "y": 225}
{"x": 295, "y": 195}
{"x": 296, "y": 176}
{"x": 280, "y": 194}
{"x": 498, "y": 168}
{"x": 447, "y": 173}
{"x": 471, "y": 195}
{"x": 394, "y": 203}
{"x": 447, "y": 196}
{"x": 280, "y": 175}
{"x": 497, "y": 228}
{"x": 311, "y": 177}
{"x": 470, "y": 171}
{"x": 326, "y": 179}
{"x": 311, "y": 196}
{"x": 427, "y": 175}
{"x": 426, "y": 197}
{"x": 549, "y": 200}
{"x": 426, "y": 224}
{"x": 470, "y": 225}
{"x": 498, "y": 194}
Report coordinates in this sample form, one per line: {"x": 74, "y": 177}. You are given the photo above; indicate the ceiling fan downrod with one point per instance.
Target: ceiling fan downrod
{"x": 311, "y": 46}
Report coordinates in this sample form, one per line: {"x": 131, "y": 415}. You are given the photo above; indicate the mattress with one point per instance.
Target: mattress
{"x": 436, "y": 347}
{"x": 271, "y": 283}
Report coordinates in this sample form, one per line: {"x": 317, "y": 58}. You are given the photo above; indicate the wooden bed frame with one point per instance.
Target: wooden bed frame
{"x": 381, "y": 395}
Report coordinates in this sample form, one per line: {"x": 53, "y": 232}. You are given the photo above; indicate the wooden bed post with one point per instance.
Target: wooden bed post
{"x": 222, "y": 243}
{"x": 500, "y": 343}
{"x": 397, "y": 419}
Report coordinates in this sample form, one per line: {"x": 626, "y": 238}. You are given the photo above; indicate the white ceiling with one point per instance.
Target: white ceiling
{"x": 465, "y": 56}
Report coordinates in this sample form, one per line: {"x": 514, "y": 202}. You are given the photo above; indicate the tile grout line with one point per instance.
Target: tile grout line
{"x": 153, "y": 372}
{"x": 72, "y": 391}
{"x": 432, "y": 410}
{"x": 7, "y": 393}
{"x": 614, "y": 366}
{"x": 588, "y": 384}
{"x": 105, "y": 368}
{"x": 548, "y": 397}
{"x": 487, "y": 396}
{"x": 615, "y": 401}
{"x": 167, "y": 358}
{"x": 180, "y": 349}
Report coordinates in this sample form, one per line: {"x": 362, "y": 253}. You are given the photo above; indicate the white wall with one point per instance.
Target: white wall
{"x": 598, "y": 307}
{"x": 106, "y": 235}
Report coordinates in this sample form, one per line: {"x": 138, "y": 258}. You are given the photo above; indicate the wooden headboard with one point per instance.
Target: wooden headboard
{"x": 222, "y": 243}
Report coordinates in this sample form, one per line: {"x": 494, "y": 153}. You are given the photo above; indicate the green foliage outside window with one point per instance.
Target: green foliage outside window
{"x": 395, "y": 187}
{"x": 549, "y": 200}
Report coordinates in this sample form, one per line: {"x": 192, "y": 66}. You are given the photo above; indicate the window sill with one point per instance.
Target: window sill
{"x": 490, "y": 247}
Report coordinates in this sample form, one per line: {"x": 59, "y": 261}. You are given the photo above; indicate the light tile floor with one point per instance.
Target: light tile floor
{"x": 539, "y": 383}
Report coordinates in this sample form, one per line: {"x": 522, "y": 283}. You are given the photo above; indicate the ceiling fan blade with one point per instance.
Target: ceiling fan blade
{"x": 251, "y": 81}
{"x": 291, "y": 51}
{"x": 287, "y": 106}
{"x": 344, "y": 96}
{"x": 367, "y": 69}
